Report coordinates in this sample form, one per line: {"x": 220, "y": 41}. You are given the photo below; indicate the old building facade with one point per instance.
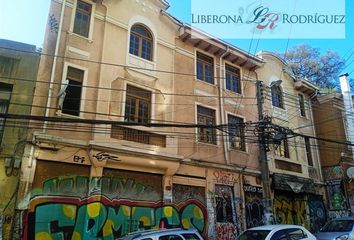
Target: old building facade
{"x": 124, "y": 146}
{"x": 294, "y": 162}
{"x": 336, "y": 158}
{"x": 18, "y": 70}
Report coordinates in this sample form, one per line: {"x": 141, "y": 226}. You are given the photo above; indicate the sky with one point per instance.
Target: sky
{"x": 25, "y": 20}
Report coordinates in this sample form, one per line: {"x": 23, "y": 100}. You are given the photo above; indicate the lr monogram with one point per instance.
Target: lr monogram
{"x": 263, "y": 18}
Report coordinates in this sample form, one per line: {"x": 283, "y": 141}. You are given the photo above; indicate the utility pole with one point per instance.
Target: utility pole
{"x": 264, "y": 124}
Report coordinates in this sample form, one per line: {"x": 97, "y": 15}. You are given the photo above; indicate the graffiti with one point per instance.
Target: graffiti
{"x": 225, "y": 231}
{"x": 254, "y": 209}
{"x": 317, "y": 214}
{"x": 337, "y": 214}
{"x": 224, "y": 178}
{"x": 78, "y": 159}
{"x": 98, "y": 217}
{"x": 182, "y": 193}
{"x": 53, "y": 23}
{"x": 290, "y": 210}
{"x": 252, "y": 189}
{"x": 102, "y": 156}
{"x": 112, "y": 187}
{"x": 331, "y": 173}
{"x": 336, "y": 196}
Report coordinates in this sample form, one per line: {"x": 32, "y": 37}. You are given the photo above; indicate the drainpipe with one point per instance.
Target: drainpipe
{"x": 221, "y": 104}
{"x": 51, "y": 82}
{"x": 348, "y": 109}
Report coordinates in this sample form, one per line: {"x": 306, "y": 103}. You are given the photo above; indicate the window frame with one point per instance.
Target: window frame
{"x": 137, "y": 103}
{"x": 277, "y": 97}
{"x": 91, "y": 19}
{"x": 284, "y": 145}
{"x": 204, "y": 63}
{"x": 199, "y": 129}
{"x": 9, "y": 88}
{"x": 238, "y": 69}
{"x": 302, "y": 107}
{"x": 308, "y": 151}
{"x": 141, "y": 37}
{"x": 243, "y": 147}
{"x": 83, "y": 90}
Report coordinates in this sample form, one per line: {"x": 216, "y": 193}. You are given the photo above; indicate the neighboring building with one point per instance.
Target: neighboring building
{"x": 219, "y": 89}
{"x": 83, "y": 180}
{"x": 336, "y": 159}
{"x": 294, "y": 162}
{"x": 18, "y": 71}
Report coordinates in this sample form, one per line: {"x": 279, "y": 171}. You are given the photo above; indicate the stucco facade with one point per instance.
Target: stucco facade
{"x": 336, "y": 158}
{"x": 18, "y": 71}
{"x": 93, "y": 171}
{"x": 297, "y": 185}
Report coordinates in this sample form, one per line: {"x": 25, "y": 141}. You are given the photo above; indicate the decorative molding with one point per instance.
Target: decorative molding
{"x": 78, "y": 51}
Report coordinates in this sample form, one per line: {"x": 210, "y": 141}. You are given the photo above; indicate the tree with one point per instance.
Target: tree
{"x": 306, "y": 62}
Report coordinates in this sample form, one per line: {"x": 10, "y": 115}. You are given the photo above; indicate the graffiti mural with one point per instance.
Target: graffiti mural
{"x": 225, "y": 211}
{"x": 253, "y": 206}
{"x": 68, "y": 206}
{"x": 183, "y": 193}
{"x": 98, "y": 217}
{"x": 317, "y": 213}
{"x": 290, "y": 210}
{"x": 336, "y": 195}
{"x": 226, "y": 231}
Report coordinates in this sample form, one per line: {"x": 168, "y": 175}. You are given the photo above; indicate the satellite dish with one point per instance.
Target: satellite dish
{"x": 350, "y": 172}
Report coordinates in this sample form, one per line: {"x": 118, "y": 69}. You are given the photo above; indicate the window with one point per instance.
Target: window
{"x": 72, "y": 101}
{"x": 190, "y": 236}
{"x": 308, "y": 151}
{"x": 170, "y": 237}
{"x": 277, "y": 97}
{"x": 137, "y": 105}
{"x": 5, "y": 94}
{"x": 296, "y": 234}
{"x": 141, "y": 42}
{"x": 279, "y": 235}
{"x": 224, "y": 204}
{"x": 206, "y": 116}
{"x": 283, "y": 149}
{"x": 302, "y": 105}
{"x": 82, "y": 18}
{"x": 233, "y": 78}
{"x": 236, "y": 133}
{"x": 205, "y": 68}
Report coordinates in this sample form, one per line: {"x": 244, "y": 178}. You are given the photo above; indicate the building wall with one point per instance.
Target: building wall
{"x": 336, "y": 158}
{"x": 18, "y": 70}
{"x": 292, "y": 205}
{"x": 136, "y": 185}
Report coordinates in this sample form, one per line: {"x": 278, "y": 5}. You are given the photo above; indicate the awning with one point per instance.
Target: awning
{"x": 293, "y": 184}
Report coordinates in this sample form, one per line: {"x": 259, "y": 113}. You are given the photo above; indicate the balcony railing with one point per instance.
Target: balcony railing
{"x": 139, "y": 136}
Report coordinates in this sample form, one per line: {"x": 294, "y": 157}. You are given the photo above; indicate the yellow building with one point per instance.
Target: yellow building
{"x": 18, "y": 70}
{"x": 294, "y": 162}
{"x": 111, "y": 157}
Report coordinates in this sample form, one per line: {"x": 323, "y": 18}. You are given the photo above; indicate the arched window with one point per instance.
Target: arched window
{"x": 277, "y": 97}
{"x": 141, "y": 42}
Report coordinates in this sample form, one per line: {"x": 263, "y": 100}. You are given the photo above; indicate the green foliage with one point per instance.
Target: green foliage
{"x": 306, "y": 62}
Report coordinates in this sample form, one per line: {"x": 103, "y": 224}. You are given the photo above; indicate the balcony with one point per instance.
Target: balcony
{"x": 138, "y": 136}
